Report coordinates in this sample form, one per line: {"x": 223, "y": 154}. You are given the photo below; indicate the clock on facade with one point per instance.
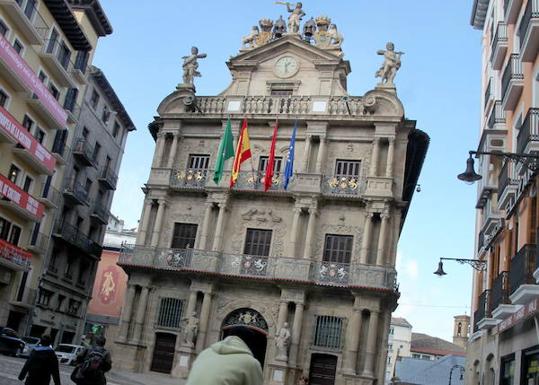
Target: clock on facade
{"x": 286, "y": 67}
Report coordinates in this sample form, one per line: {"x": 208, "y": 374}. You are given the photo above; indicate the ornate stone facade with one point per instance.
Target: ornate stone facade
{"x": 299, "y": 278}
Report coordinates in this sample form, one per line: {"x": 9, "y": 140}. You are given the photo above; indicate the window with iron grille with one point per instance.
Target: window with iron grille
{"x": 198, "y": 161}
{"x": 263, "y": 163}
{"x": 170, "y": 313}
{"x": 257, "y": 242}
{"x": 347, "y": 168}
{"x": 184, "y": 235}
{"x": 328, "y": 332}
{"x": 338, "y": 248}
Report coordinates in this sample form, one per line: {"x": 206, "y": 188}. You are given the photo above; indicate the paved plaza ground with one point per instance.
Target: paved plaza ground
{"x": 11, "y": 366}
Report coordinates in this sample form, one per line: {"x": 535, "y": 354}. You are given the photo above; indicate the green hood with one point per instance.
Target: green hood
{"x": 231, "y": 345}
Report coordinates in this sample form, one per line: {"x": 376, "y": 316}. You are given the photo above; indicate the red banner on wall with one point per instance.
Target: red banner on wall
{"x": 11, "y": 127}
{"x": 21, "y": 198}
{"x": 17, "y": 64}
{"x": 14, "y": 254}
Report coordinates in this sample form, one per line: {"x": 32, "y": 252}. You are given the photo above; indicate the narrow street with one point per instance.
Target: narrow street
{"x": 11, "y": 366}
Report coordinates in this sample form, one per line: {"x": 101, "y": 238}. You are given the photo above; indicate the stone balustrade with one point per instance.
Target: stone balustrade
{"x": 260, "y": 267}
{"x": 278, "y": 105}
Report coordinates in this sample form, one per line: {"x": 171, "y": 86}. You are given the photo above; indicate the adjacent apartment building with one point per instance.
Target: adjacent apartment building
{"x": 316, "y": 259}
{"x": 45, "y": 48}
{"x": 503, "y": 348}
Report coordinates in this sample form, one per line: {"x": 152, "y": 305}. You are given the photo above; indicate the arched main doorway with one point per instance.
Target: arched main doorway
{"x": 254, "y": 321}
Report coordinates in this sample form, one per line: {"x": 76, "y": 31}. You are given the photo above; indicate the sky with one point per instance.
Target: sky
{"x": 438, "y": 83}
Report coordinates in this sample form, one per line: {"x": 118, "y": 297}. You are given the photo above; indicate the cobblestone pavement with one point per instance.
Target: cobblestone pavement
{"x": 11, "y": 366}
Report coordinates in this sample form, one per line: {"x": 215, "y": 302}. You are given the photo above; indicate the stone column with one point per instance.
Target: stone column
{"x": 370, "y": 351}
{"x": 159, "y": 145}
{"x": 141, "y": 236}
{"x": 141, "y": 312}
{"x": 191, "y": 305}
{"x": 294, "y": 232}
{"x": 219, "y": 228}
{"x": 126, "y": 313}
{"x": 173, "y": 150}
{"x": 395, "y": 238}
{"x": 374, "y": 157}
{"x": 283, "y": 314}
{"x": 296, "y": 333}
{"x": 306, "y": 153}
{"x": 158, "y": 222}
{"x": 365, "y": 242}
{"x": 203, "y": 239}
{"x": 382, "y": 239}
{"x": 390, "y": 156}
{"x": 313, "y": 213}
{"x": 351, "y": 347}
{"x": 320, "y": 159}
{"x": 204, "y": 321}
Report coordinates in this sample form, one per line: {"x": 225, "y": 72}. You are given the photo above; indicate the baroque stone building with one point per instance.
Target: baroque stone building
{"x": 318, "y": 256}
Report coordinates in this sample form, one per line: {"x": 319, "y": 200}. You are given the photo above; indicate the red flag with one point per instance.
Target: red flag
{"x": 243, "y": 152}
{"x": 268, "y": 178}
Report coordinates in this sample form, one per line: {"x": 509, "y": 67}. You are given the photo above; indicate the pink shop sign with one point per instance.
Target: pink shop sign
{"x": 18, "y": 65}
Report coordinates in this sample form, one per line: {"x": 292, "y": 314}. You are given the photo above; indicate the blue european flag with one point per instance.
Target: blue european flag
{"x": 289, "y": 169}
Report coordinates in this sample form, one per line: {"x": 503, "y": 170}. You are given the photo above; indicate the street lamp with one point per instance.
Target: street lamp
{"x": 470, "y": 176}
{"x": 462, "y": 371}
{"x": 476, "y": 264}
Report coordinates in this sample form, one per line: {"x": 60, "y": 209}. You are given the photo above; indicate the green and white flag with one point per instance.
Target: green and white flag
{"x": 226, "y": 151}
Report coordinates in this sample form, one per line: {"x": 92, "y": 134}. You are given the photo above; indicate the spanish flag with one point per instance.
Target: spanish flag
{"x": 243, "y": 152}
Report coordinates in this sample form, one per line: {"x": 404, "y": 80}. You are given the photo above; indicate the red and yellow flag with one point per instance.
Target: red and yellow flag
{"x": 243, "y": 152}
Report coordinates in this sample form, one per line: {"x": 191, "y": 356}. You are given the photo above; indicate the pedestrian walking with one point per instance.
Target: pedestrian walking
{"x": 41, "y": 365}
{"x": 228, "y": 362}
{"x": 92, "y": 364}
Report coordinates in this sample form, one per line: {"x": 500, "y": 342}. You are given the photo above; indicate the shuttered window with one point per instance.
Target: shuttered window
{"x": 198, "y": 162}
{"x": 338, "y": 248}
{"x": 184, "y": 235}
{"x": 328, "y": 332}
{"x": 347, "y": 168}
{"x": 257, "y": 242}
{"x": 170, "y": 313}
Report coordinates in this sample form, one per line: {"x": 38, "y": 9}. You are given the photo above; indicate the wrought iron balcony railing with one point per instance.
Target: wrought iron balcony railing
{"x": 73, "y": 235}
{"x": 190, "y": 178}
{"x": 108, "y": 178}
{"x": 529, "y": 130}
{"x": 512, "y": 71}
{"x": 500, "y": 290}
{"x": 83, "y": 151}
{"x": 262, "y": 267}
{"x": 497, "y": 115}
{"x": 75, "y": 192}
{"x": 531, "y": 12}
{"x": 483, "y": 308}
{"x": 523, "y": 264}
{"x": 488, "y": 92}
{"x": 507, "y": 177}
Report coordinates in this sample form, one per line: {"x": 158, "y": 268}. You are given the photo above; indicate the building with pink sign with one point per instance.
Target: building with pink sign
{"x": 46, "y": 51}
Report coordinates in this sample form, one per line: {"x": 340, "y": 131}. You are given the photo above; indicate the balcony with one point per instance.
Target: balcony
{"x": 13, "y": 257}
{"x": 529, "y": 32}
{"x": 72, "y": 108}
{"x": 56, "y": 56}
{"x": 493, "y": 219}
{"x": 496, "y": 118}
{"x": 50, "y": 196}
{"x": 75, "y": 193}
{"x": 38, "y": 243}
{"x": 190, "y": 179}
{"x": 528, "y": 134}
{"x": 489, "y": 94}
{"x": 260, "y": 267}
{"x": 480, "y": 241}
{"x": 499, "y": 46}
{"x": 59, "y": 146}
{"x": 512, "y": 82}
{"x": 254, "y": 181}
{"x": 72, "y": 235}
{"x": 348, "y": 186}
{"x": 100, "y": 213}
{"x": 507, "y": 184}
{"x": 511, "y": 10}
{"x": 83, "y": 152}
{"x": 18, "y": 201}
{"x": 29, "y": 22}
{"x": 501, "y": 305}
{"x": 108, "y": 178}
{"x": 482, "y": 316}
{"x": 523, "y": 287}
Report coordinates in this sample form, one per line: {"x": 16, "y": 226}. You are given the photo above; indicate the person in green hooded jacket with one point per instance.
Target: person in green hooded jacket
{"x": 228, "y": 362}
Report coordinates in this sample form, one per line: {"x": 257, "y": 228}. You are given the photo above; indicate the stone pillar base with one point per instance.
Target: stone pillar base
{"x": 128, "y": 356}
{"x": 185, "y": 356}
{"x": 280, "y": 374}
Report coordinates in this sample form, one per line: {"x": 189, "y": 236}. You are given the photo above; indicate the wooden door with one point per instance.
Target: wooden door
{"x": 163, "y": 353}
{"x": 323, "y": 368}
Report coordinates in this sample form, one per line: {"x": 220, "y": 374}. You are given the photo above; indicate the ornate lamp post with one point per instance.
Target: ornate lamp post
{"x": 476, "y": 264}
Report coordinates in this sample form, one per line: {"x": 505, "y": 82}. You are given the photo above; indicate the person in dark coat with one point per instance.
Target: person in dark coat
{"x": 98, "y": 350}
{"x": 41, "y": 365}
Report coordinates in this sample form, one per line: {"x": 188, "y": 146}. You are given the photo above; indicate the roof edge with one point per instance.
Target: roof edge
{"x": 96, "y": 14}
{"x": 63, "y": 15}
{"x": 479, "y": 13}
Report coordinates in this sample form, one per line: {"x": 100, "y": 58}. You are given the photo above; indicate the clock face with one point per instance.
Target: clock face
{"x": 286, "y": 66}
